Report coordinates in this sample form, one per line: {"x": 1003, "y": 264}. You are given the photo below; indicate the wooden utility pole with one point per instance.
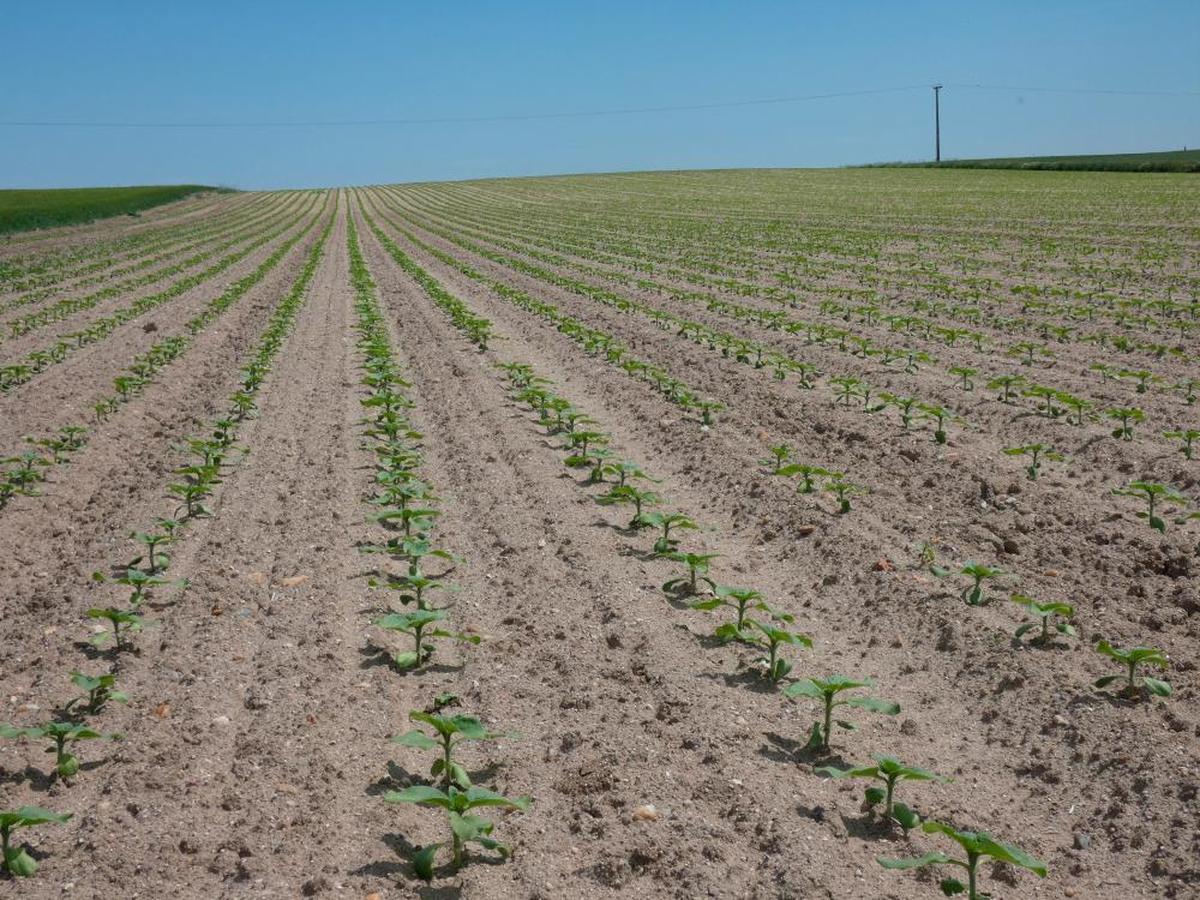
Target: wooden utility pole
{"x": 937, "y": 123}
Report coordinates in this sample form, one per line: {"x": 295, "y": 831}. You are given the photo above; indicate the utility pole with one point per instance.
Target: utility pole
{"x": 937, "y": 123}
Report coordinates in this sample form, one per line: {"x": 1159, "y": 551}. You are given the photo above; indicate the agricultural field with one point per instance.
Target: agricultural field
{"x": 1161, "y": 161}
{"x": 21, "y": 210}
{"x": 608, "y": 536}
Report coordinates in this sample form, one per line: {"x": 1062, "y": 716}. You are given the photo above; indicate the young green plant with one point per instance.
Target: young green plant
{"x": 1131, "y": 659}
{"x": 465, "y": 826}
{"x": 976, "y": 845}
{"x": 828, "y": 693}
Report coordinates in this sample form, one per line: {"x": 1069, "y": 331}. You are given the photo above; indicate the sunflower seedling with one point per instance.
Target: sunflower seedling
{"x": 98, "y": 692}
{"x": 778, "y": 458}
{"x": 891, "y": 772}
{"x": 938, "y": 415}
{"x": 771, "y": 639}
{"x": 665, "y": 522}
{"x": 844, "y": 490}
{"x": 1153, "y": 493}
{"x": 1007, "y": 385}
{"x": 1187, "y": 437}
{"x": 1036, "y": 453}
{"x": 741, "y": 601}
{"x": 827, "y": 692}
{"x": 972, "y": 595}
{"x": 1127, "y": 417}
{"x": 417, "y": 625}
{"x": 63, "y": 735}
{"x": 1045, "y": 612}
{"x": 449, "y": 733}
{"x": 465, "y": 827}
{"x": 124, "y": 623}
{"x": 977, "y": 845}
{"x": 16, "y": 861}
{"x": 697, "y": 571}
{"x": 964, "y": 377}
{"x": 1131, "y": 659}
{"x": 626, "y": 494}
{"x": 808, "y": 476}
{"x": 411, "y": 588}
{"x": 140, "y": 583}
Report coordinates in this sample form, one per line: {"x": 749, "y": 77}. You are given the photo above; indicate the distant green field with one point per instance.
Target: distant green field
{"x": 21, "y": 210}
{"x": 1167, "y": 161}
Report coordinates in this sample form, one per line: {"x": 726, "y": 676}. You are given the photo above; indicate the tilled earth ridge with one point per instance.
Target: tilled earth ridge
{"x": 258, "y": 753}
{"x": 140, "y": 263}
{"x": 56, "y": 239}
{"x": 117, "y": 482}
{"x": 70, "y": 388}
{"x": 17, "y": 347}
{"x": 20, "y": 286}
{"x": 849, "y": 545}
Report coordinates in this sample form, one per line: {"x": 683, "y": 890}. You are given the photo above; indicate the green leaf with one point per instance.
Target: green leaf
{"x": 1157, "y": 687}
{"x": 905, "y": 816}
{"x": 467, "y": 827}
{"x": 477, "y": 796}
{"x": 804, "y": 688}
{"x": 1105, "y": 681}
{"x": 423, "y": 861}
{"x": 952, "y": 886}
{"x": 417, "y": 739}
{"x": 914, "y": 862}
{"x": 874, "y": 704}
{"x": 418, "y": 793}
{"x": 874, "y": 795}
{"x": 406, "y": 659}
{"x": 19, "y": 863}
{"x": 1025, "y": 629}
{"x": 1010, "y": 854}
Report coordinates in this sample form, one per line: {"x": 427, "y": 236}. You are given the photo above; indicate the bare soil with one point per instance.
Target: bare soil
{"x": 660, "y": 763}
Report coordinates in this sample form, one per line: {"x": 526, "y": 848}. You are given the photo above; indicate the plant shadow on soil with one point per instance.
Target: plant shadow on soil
{"x": 743, "y": 679}
{"x": 398, "y": 777}
{"x": 782, "y": 749}
{"x": 110, "y": 655}
{"x": 37, "y": 779}
{"x": 374, "y": 655}
{"x": 42, "y": 781}
{"x": 400, "y": 870}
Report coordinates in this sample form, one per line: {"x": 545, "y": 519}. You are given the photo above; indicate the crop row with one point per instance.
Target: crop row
{"x": 846, "y": 340}
{"x": 36, "y": 270}
{"x": 593, "y": 340}
{"x": 22, "y": 473}
{"x": 38, "y": 361}
{"x": 850, "y": 391}
{"x": 404, "y": 507}
{"x": 211, "y": 453}
{"x": 754, "y": 622}
{"x": 807, "y": 253}
{"x": 167, "y": 246}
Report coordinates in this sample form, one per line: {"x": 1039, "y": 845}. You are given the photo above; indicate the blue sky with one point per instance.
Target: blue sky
{"x": 257, "y": 61}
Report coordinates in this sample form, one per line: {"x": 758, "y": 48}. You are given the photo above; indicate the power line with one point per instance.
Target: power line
{"x": 583, "y": 114}
{"x": 1056, "y": 90}
{"x": 447, "y": 120}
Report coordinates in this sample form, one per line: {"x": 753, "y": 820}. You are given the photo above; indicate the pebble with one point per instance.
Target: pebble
{"x": 221, "y": 721}
{"x": 1082, "y": 841}
{"x": 645, "y": 813}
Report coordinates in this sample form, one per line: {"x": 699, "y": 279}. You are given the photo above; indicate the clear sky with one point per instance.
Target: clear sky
{"x": 258, "y": 61}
